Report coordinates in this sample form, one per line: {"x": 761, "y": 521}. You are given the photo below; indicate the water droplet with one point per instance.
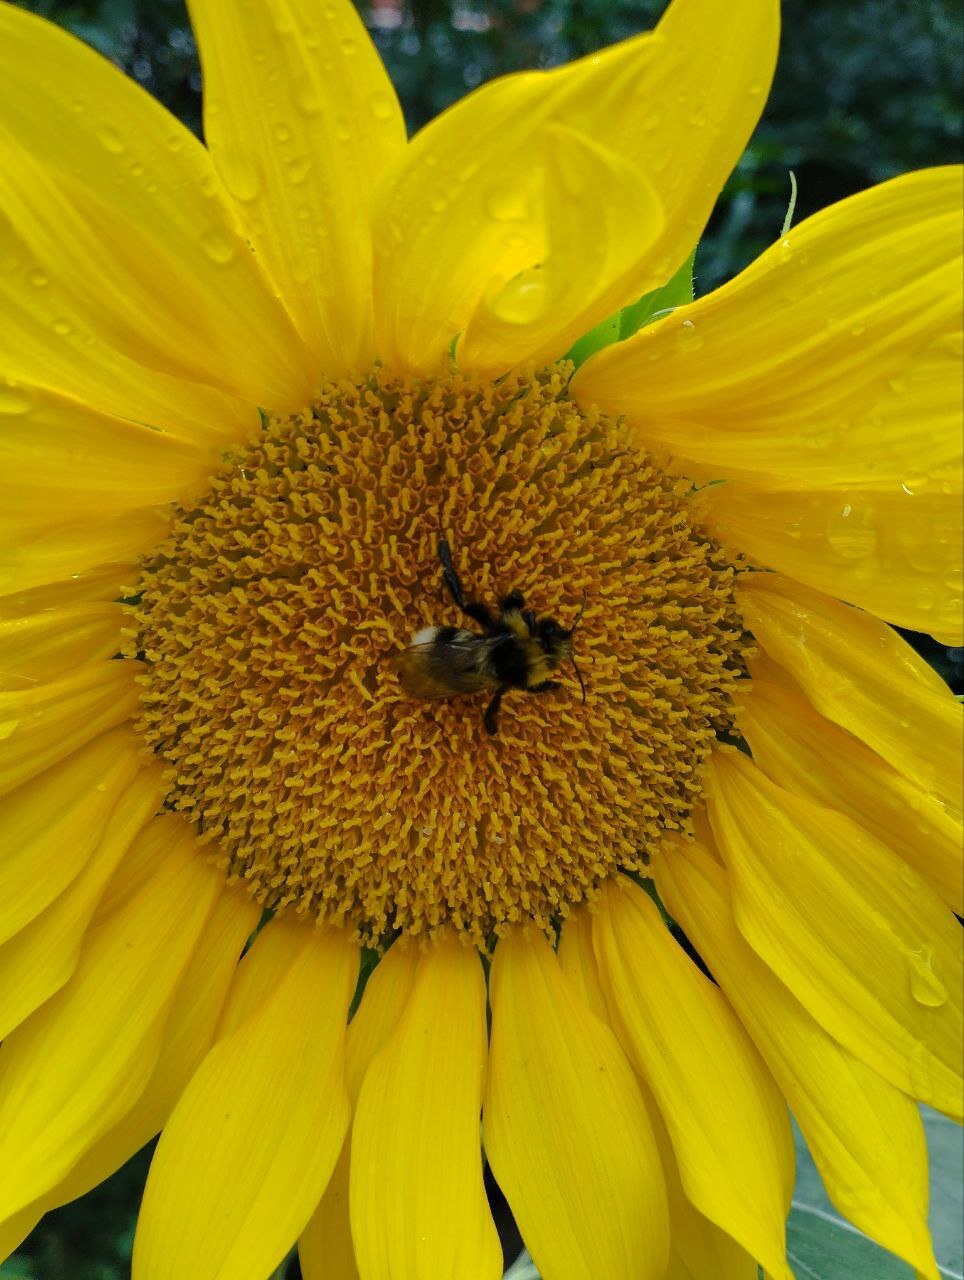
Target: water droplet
{"x": 13, "y": 399}
{"x": 755, "y": 88}
{"x": 136, "y": 169}
{"x": 786, "y": 250}
{"x": 897, "y": 385}
{"x": 698, "y": 118}
{"x": 217, "y": 246}
{"x": 522, "y": 301}
{"x": 61, "y": 328}
{"x": 915, "y": 482}
{"x": 343, "y": 129}
{"x": 506, "y": 204}
{"x": 38, "y": 279}
{"x": 110, "y": 140}
{"x": 307, "y": 96}
{"x": 688, "y": 338}
{"x": 102, "y": 786}
{"x": 282, "y": 133}
{"x": 925, "y": 986}
{"x": 349, "y": 47}
{"x": 298, "y": 169}
{"x": 381, "y": 105}
{"x": 438, "y": 205}
{"x": 175, "y": 142}
{"x": 852, "y": 537}
{"x": 857, "y": 327}
{"x": 953, "y": 578}
{"x": 239, "y": 175}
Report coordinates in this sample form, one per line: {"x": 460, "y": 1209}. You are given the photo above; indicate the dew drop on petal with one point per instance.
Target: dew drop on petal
{"x": 688, "y": 338}
{"x": 217, "y": 246}
{"x": 239, "y": 175}
{"x": 110, "y": 140}
{"x": 915, "y": 482}
{"x": 925, "y": 986}
{"x": 852, "y": 538}
{"x": 381, "y": 105}
{"x": 521, "y": 301}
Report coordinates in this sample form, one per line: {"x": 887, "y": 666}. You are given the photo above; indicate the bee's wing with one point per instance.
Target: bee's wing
{"x": 434, "y": 670}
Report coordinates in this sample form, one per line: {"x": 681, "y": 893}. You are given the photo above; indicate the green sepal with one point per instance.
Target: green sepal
{"x": 629, "y": 320}
{"x": 676, "y": 292}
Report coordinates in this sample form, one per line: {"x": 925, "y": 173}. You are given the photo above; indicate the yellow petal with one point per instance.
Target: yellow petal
{"x": 863, "y": 676}
{"x": 42, "y": 725}
{"x": 188, "y": 1034}
{"x": 38, "y": 960}
{"x": 52, "y": 825}
{"x": 78, "y": 1063}
{"x": 727, "y": 1121}
{"x": 803, "y": 752}
{"x": 41, "y": 556}
{"x": 103, "y": 585}
{"x": 250, "y": 1145}
{"x": 121, "y": 231}
{"x": 325, "y": 1247}
{"x": 15, "y": 1230}
{"x": 894, "y": 552}
{"x": 868, "y": 949}
{"x": 865, "y": 1137}
{"x": 808, "y": 363}
{"x": 418, "y": 1207}
{"x": 43, "y": 646}
{"x": 565, "y": 1126}
{"x": 460, "y": 214}
{"x": 697, "y": 1247}
{"x": 594, "y": 213}
{"x": 73, "y": 462}
{"x": 151, "y": 845}
{"x": 302, "y": 120}
{"x": 578, "y": 962}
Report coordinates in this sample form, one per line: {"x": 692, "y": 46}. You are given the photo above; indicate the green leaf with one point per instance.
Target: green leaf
{"x": 604, "y": 335}
{"x": 677, "y": 292}
{"x": 822, "y": 1246}
{"x": 623, "y": 324}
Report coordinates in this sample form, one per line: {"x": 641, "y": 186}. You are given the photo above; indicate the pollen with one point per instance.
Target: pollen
{"x": 270, "y": 619}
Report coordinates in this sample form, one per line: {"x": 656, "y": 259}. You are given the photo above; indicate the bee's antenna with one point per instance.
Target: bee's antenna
{"x": 582, "y": 610}
{"x": 582, "y": 684}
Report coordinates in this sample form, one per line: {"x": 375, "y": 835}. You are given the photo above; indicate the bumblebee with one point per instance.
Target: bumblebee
{"x": 516, "y": 650}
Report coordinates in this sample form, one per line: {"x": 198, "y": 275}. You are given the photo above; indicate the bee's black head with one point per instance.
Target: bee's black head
{"x": 555, "y": 640}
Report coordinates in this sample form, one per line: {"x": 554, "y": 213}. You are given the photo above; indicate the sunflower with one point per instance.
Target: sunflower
{"x": 313, "y": 930}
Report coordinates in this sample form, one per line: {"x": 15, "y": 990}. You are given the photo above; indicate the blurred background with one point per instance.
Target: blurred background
{"x": 865, "y": 89}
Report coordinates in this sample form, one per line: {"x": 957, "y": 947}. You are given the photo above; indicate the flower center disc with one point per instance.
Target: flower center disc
{"x": 270, "y": 617}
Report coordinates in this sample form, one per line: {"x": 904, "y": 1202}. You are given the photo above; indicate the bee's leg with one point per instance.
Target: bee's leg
{"x": 477, "y": 612}
{"x": 544, "y": 686}
{"x": 492, "y": 712}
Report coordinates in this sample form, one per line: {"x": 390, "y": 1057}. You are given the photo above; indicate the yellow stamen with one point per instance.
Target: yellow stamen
{"x": 269, "y": 617}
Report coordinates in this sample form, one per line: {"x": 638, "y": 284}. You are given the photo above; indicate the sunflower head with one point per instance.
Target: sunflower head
{"x": 332, "y": 449}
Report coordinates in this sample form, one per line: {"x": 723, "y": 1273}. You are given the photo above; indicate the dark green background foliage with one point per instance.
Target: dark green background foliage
{"x": 865, "y": 89}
